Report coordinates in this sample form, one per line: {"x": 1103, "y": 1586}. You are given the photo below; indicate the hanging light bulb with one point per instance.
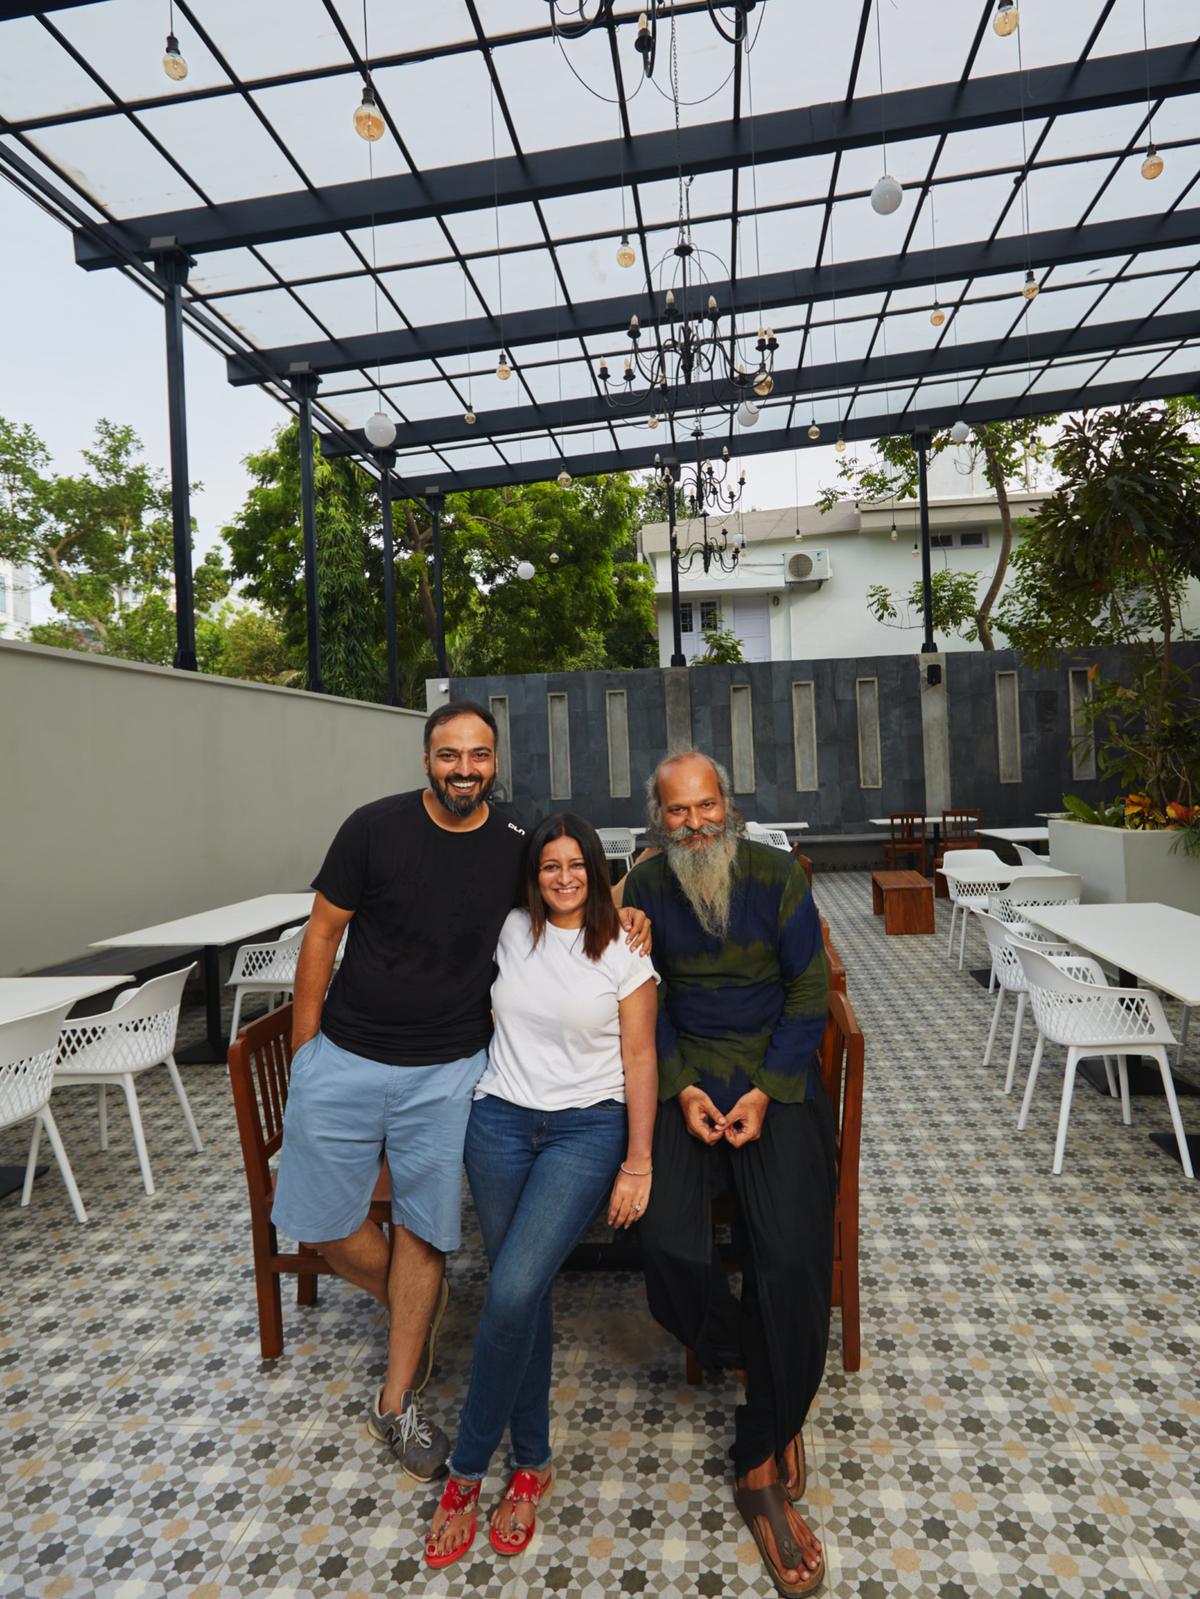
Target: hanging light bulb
{"x": 563, "y": 479}
{"x": 748, "y": 414}
{"x": 525, "y": 571}
{"x": 960, "y": 432}
{"x": 503, "y": 370}
{"x": 916, "y": 549}
{"x": 1152, "y": 166}
{"x": 893, "y": 535}
{"x": 368, "y": 123}
{"x": 174, "y": 65}
{"x": 1006, "y": 18}
{"x": 553, "y": 558}
{"x": 886, "y": 195}
{"x": 798, "y": 536}
{"x": 814, "y": 431}
{"x": 469, "y": 417}
{"x": 626, "y": 254}
{"x": 840, "y": 445}
{"x": 763, "y": 383}
{"x": 1030, "y": 291}
{"x": 937, "y": 316}
{"x": 380, "y": 430}
{"x": 653, "y": 423}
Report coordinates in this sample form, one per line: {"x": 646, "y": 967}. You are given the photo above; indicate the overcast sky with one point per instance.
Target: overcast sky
{"x": 75, "y": 346}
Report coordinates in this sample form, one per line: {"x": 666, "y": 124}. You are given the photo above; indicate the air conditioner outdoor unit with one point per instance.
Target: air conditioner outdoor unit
{"x": 809, "y": 566}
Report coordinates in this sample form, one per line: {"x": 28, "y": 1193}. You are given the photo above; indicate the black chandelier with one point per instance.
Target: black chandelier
{"x": 571, "y": 19}
{"x": 689, "y": 345}
{"x": 724, "y": 551}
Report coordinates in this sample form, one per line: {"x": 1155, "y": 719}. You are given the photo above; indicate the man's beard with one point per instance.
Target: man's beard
{"x": 461, "y": 805}
{"x": 705, "y": 874}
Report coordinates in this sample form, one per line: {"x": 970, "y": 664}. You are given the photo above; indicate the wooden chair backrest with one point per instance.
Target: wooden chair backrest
{"x": 907, "y": 827}
{"x": 842, "y": 1053}
{"x": 960, "y": 824}
{"x": 260, "y": 1066}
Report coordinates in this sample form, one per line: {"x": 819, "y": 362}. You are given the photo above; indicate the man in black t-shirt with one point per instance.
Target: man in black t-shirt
{"x": 387, "y": 1061}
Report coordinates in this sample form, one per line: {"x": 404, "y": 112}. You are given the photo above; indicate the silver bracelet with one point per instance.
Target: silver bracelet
{"x": 629, "y": 1173}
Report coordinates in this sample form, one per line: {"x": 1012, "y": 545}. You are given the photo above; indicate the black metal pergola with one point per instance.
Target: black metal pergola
{"x": 346, "y": 277}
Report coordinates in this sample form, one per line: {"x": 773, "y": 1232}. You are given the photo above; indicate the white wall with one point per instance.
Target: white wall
{"x": 132, "y": 794}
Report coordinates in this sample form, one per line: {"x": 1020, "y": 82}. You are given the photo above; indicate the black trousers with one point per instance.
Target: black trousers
{"x": 784, "y": 1185}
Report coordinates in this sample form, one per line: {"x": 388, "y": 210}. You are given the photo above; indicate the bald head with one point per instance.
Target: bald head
{"x": 689, "y": 799}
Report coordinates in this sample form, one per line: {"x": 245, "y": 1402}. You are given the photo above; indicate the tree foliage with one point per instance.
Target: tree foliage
{"x": 955, "y": 604}
{"x": 592, "y": 606}
{"x": 722, "y": 647}
{"x": 100, "y": 541}
{"x": 1008, "y": 453}
{"x": 1107, "y": 560}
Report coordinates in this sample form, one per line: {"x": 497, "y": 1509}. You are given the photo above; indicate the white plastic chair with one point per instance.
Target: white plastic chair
{"x": 1093, "y": 1019}
{"x": 118, "y": 1045}
{"x": 1029, "y": 857}
{"x": 774, "y": 836}
{"x": 619, "y": 845}
{"x": 27, "y": 1050}
{"x": 1029, "y": 890}
{"x": 969, "y": 896}
{"x": 1010, "y": 979}
{"x": 265, "y": 969}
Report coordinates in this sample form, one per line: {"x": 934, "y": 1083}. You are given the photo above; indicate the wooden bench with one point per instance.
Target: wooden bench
{"x": 905, "y": 900}
{"x": 260, "y": 1067}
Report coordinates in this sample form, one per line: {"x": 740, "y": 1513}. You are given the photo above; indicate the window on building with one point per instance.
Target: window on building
{"x": 710, "y": 614}
{"x": 975, "y": 540}
{"x": 967, "y": 539}
{"x": 685, "y": 616}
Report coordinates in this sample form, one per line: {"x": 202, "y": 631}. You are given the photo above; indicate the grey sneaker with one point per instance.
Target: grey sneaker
{"x": 425, "y": 1365}
{"x": 420, "y": 1447}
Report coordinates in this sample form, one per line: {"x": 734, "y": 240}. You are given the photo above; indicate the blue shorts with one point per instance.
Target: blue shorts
{"x": 344, "y": 1115}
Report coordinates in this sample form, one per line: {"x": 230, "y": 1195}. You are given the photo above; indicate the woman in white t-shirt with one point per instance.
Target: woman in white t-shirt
{"x": 563, "y": 1118}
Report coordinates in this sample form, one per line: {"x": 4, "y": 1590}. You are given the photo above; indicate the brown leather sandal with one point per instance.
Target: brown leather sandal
{"x": 770, "y": 1504}
{"x": 794, "y": 1490}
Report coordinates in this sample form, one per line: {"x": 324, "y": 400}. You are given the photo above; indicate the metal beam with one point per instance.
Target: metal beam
{"x": 798, "y": 286}
{"x": 796, "y": 438}
{"x": 930, "y": 111}
{"x": 947, "y": 360}
{"x": 172, "y": 270}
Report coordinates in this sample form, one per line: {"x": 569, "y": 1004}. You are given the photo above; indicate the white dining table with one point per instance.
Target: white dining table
{"x": 1158, "y": 944}
{"x": 1003, "y": 873}
{"x": 1016, "y": 835}
{"x": 212, "y": 931}
{"x": 28, "y": 996}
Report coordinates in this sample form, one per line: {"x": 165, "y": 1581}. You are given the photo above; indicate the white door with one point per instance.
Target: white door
{"x": 752, "y": 624}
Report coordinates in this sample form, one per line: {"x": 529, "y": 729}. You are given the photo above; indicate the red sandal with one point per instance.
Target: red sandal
{"x": 456, "y": 1497}
{"x": 524, "y": 1488}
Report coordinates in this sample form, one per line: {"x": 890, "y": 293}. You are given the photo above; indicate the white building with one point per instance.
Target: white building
{"x": 799, "y": 591}
{"x": 15, "y": 600}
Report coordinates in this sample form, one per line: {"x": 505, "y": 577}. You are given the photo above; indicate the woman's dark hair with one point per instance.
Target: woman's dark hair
{"x": 600, "y": 923}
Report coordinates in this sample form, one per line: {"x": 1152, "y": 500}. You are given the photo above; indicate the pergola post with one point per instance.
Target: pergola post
{"x": 921, "y": 445}
{"x": 172, "y": 269}
{"x": 435, "y": 501}
{"x": 670, "y": 469}
{"x": 386, "y": 459}
{"x": 305, "y": 387}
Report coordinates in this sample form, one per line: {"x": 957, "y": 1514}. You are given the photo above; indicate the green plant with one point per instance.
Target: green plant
{"x": 955, "y": 607}
{"x": 722, "y": 647}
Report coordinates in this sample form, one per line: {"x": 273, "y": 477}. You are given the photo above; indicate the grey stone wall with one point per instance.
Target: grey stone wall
{"x": 840, "y": 804}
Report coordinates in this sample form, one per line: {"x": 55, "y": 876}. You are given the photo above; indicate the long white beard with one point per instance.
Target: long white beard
{"x": 706, "y": 876}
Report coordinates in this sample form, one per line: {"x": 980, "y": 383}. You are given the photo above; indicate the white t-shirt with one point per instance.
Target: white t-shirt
{"x": 557, "y": 1043}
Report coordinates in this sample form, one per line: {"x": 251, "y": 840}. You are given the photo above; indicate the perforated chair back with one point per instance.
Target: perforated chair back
{"x": 139, "y": 1031}
{"x": 1028, "y": 891}
{"x": 1072, "y": 1010}
{"x": 28, "y": 1047}
{"x": 774, "y": 836}
{"x": 273, "y": 963}
{"x": 618, "y": 843}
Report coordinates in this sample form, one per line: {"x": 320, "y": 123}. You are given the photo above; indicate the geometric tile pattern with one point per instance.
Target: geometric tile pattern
{"x": 1025, "y": 1422}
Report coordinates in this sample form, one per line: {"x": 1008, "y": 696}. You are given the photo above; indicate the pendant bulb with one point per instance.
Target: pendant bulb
{"x": 886, "y": 195}
{"x": 368, "y": 123}
{"x": 1006, "y": 19}
{"x": 1031, "y": 288}
{"x": 814, "y": 432}
{"x": 1152, "y": 166}
{"x": 626, "y": 254}
{"x": 937, "y": 316}
{"x": 175, "y": 67}
{"x": 503, "y": 370}
{"x": 563, "y": 479}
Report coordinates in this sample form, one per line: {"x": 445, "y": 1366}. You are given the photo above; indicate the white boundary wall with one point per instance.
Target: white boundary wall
{"x": 132, "y": 794}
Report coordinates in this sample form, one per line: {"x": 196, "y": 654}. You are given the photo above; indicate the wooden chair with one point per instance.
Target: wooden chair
{"x": 907, "y": 841}
{"x": 260, "y": 1063}
{"x": 805, "y": 861}
{"x": 842, "y": 1055}
{"x": 958, "y": 832}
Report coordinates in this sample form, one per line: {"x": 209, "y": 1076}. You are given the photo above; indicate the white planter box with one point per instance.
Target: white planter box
{"x": 1120, "y": 866}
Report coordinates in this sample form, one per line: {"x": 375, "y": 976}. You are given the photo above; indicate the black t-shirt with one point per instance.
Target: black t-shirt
{"x": 414, "y": 986}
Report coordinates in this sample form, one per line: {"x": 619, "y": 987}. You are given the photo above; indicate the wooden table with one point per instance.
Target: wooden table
{"x": 1156, "y": 943}
{"x": 905, "y": 900}
{"x": 27, "y": 996}
{"x": 213, "y": 931}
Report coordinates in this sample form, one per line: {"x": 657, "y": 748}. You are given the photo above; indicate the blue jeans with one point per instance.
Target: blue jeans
{"x": 538, "y": 1178}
